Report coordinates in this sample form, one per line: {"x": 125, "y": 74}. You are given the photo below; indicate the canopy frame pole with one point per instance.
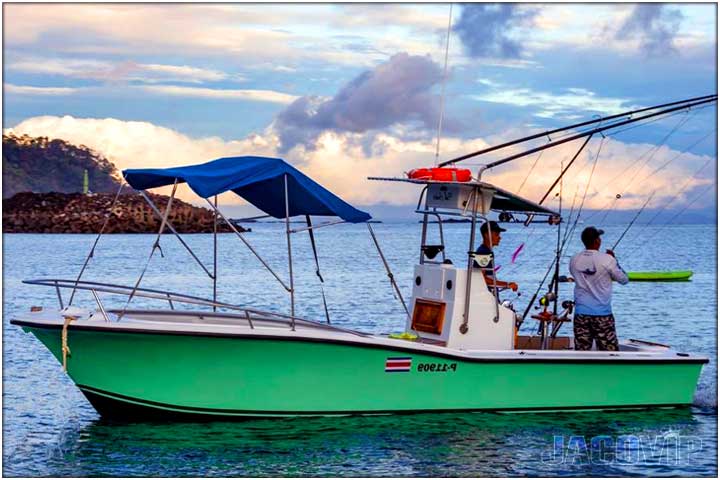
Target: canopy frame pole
{"x": 423, "y": 237}
{"x": 175, "y": 232}
{"x": 387, "y": 269}
{"x": 471, "y": 259}
{"x": 289, "y": 247}
{"x": 215, "y": 249}
{"x": 155, "y": 246}
{"x": 311, "y": 234}
{"x": 97, "y": 239}
{"x": 257, "y": 255}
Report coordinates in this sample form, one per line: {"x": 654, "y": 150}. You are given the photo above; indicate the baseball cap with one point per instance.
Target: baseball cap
{"x": 590, "y": 234}
{"x": 493, "y": 225}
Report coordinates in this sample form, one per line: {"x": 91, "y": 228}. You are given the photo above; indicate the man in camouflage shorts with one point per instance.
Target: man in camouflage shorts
{"x": 593, "y": 273}
{"x": 601, "y": 328}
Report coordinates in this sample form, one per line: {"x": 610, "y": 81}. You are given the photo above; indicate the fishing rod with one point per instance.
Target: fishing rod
{"x": 593, "y": 132}
{"x": 556, "y": 259}
{"x": 676, "y": 106}
{"x": 564, "y": 170}
{"x": 559, "y": 178}
{"x": 633, "y": 220}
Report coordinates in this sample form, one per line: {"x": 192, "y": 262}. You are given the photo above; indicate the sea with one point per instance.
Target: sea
{"x": 50, "y": 430}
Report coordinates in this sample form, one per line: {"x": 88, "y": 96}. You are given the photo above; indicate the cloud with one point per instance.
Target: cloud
{"x": 564, "y": 105}
{"x": 228, "y": 94}
{"x": 397, "y": 91}
{"x": 9, "y": 88}
{"x": 341, "y": 161}
{"x": 268, "y": 96}
{"x": 116, "y": 71}
{"x": 131, "y": 144}
{"x": 654, "y": 25}
{"x": 484, "y": 29}
{"x": 241, "y": 35}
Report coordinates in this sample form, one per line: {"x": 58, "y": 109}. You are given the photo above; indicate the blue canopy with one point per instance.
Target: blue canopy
{"x": 259, "y": 180}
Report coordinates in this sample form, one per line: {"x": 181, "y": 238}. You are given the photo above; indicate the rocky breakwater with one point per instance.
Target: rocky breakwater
{"x": 78, "y": 213}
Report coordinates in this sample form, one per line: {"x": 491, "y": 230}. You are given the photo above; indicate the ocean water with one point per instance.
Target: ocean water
{"x": 49, "y": 429}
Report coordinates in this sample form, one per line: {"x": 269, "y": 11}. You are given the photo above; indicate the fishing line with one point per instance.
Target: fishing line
{"x": 514, "y": 266}
{"x": 572, "y": 209}
{"x": 679, "y": 155}
{"x": 704, "y": 190}
{"x": 667, "y": 204}
{"x": 566, "y": 234}
{"x": 587, "y": 187}
{"x": 650, "y": 153}
{"x": 537, "y": 159}
{"x": 682, "y": 152}
{"x": 654, "y": 150}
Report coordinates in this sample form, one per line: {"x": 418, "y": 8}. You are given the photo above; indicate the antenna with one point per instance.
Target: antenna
{"x": 442, "y": 95}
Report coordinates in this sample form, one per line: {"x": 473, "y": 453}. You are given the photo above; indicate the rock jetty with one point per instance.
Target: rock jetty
{"x": 78, "y": 213}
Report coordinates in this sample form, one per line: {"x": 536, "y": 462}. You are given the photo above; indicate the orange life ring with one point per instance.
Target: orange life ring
{"x": 440, "y": 174}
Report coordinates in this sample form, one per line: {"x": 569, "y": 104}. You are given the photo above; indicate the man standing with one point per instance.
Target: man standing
{"x": 490, "y": 231}
{"x": 594, "y": 273}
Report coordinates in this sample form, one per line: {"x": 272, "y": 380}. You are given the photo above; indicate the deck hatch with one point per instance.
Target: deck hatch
{"x": 428, "y": 316}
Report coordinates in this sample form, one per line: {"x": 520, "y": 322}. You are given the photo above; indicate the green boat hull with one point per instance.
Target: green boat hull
{"x": 676, "y": 276}
{"x": 173, "y": 375}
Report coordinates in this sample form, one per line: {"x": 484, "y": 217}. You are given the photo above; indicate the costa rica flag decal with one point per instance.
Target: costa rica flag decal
{"x": 398, "y": 364}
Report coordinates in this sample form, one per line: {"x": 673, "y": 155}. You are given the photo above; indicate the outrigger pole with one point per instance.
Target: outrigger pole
{"x": 676, "y": 106}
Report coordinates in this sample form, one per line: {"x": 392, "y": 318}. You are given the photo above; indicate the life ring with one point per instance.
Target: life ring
{"x": 441, "y": 174}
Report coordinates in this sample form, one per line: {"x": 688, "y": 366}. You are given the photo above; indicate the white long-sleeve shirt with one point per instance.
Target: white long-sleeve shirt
{"x": 594, "y": 273}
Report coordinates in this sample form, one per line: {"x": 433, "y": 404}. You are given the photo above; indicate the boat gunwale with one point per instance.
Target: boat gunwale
{"x": 513, "y": 356}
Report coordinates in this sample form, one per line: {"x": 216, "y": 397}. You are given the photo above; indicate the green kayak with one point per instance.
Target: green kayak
{"x": 676, "y": 276}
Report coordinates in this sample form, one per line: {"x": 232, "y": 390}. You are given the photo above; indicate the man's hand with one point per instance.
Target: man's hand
{"x": 610, "y": 252}
{"x": 513, "y": 286}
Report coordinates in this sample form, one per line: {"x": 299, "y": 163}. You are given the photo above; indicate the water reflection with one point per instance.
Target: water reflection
{"x": 471, "y": 444}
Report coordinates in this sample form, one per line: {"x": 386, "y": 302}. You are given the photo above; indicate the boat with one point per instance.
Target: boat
{"x": 461, "y": 350}
{"x": 670, "y": 276}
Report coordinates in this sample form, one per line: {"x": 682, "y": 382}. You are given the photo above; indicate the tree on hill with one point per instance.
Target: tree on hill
{"x": 42, "y": 165}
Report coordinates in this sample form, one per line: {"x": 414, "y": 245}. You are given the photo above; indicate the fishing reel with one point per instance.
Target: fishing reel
{"x": 546, "y": 299}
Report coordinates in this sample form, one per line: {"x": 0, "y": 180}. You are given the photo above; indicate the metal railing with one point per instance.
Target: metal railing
{"x": 248, "y": 314}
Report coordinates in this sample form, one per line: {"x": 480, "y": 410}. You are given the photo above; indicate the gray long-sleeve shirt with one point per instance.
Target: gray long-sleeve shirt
{"x": 594, "y": 273}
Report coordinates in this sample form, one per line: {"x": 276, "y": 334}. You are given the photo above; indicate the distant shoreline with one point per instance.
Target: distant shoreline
{"x": 44, "y": 213}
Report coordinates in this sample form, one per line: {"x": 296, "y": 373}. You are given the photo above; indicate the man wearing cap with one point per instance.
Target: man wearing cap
{"x": 593, "y": 273}
{"x": 490, "y": 231}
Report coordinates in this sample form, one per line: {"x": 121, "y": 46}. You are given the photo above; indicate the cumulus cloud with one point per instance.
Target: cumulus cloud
{"x": 396, "y": 91}
{"x": 342, "y": 160}
{"x": 654, "y": 25}
{"x": 485, "y": 28}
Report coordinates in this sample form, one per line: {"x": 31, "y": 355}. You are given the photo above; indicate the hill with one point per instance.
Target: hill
{"x": 42, "y": 165}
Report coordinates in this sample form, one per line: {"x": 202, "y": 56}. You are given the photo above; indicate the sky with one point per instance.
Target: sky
{"x": 347, "y": 91}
